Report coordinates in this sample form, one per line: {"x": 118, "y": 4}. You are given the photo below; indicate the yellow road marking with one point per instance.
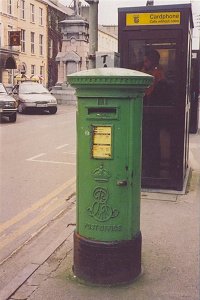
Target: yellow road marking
{"x": 36, "y": 205}
{"x": 15, "y": 234}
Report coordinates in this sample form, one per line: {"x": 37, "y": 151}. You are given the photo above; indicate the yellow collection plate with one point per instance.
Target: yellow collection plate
{"x": 102, "y": 142}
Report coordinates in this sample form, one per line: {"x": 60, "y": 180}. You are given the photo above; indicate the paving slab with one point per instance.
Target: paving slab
{"x": 170, "y": 257}
{"x": 18, "y": 281}
{"x": 15, "y": 271}
{"x": 159, "y": 196}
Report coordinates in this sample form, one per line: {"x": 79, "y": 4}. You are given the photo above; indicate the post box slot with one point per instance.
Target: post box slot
{"x": 102, "y": 112}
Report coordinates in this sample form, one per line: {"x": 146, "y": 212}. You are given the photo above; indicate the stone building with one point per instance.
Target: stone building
{"x": 30, "y": 19}
{"x": 56, "y": 13}
{"x": 38, "y": 22}
{"x": 107, "y": 40}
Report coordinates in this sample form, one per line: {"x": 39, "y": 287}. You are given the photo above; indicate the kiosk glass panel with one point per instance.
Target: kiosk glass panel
{"x": 157, "y": 131}
{"x": 164, "y": 69}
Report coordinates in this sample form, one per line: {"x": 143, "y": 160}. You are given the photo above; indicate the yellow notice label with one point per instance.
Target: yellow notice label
{"x": 102, "y": 137}
{"x": 159, "y": 18}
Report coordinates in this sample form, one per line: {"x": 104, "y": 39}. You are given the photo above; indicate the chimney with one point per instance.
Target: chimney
{"x": 150, "y": 3}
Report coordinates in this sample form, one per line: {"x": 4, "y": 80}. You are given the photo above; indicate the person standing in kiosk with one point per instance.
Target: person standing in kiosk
{"x": 155, "y": 94}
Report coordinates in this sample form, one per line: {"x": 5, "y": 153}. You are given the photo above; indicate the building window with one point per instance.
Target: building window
{"x": 22, "y": 68}
{"x": 23, "y": 40}
{"x": 32, "y": 11}
{"x": 22, "y": 9}
{"x": 32, "y": 42}
{"x": 10, "y": 76}
{"x": 9, "y": 7}
{"x": 1, "y": 35}
{"x": 42, "y": 71}
{"x": 49, "y": 20}
{"x": 41, "y": 44}
{"x": 59, "y": 46}
{"x": 32, "y": 70}
{"x": 40, "y": 16}
{"x": 10, "y": 28}
{"x": 57, "y": 22}
{"x": 50, "y": 48}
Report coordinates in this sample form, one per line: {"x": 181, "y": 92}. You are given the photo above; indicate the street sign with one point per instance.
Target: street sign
{"x": 158, "y": 18}
{"x": 14, "y": 38}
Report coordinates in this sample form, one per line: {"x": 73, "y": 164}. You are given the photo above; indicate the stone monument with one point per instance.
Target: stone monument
{"x": 74, "y": 55}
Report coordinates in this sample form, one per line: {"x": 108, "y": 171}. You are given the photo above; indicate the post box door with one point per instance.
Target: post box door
{"x": 108, "y": 208}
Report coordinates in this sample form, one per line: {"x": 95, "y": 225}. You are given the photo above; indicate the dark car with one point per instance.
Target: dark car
{"x": 8, "y": 105}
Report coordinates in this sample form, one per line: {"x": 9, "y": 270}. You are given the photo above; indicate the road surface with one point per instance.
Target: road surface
{"x": 37, "y": 169}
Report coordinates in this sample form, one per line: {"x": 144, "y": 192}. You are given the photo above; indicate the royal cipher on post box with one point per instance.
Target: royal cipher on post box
{"x": 107, "y": 239}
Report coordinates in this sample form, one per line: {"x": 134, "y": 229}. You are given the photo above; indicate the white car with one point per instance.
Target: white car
{"x": 33, "y": 95}
{"x": 8, "y": 105}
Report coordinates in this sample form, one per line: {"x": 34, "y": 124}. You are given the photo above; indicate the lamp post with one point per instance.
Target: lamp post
{"x": 93, "y": 32}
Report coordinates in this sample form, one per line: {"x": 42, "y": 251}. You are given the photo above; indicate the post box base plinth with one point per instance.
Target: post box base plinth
{"x": 107, "y": 263}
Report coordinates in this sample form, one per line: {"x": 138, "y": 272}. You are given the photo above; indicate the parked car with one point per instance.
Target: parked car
{"x": 8, "y": 105}
{"x": 33, "y": 95}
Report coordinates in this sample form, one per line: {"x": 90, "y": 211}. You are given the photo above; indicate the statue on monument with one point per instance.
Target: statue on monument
{"x": 77, "y": 5}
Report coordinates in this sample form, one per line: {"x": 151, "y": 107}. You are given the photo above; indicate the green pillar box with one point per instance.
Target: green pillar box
{"x": 107, "y": 239}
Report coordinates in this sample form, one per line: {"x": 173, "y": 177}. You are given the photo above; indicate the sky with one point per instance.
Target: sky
{"x": 108, "y": 12}
{"x": 108, "y": 9}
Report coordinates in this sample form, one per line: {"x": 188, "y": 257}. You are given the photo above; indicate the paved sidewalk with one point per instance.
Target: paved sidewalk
{"x": 169, "y": 259}
{"x": 170, "y": 253}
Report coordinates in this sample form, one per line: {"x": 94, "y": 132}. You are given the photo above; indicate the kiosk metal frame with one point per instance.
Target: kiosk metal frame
{"x": 166, "y": 29}
{"x": 195, "y": 91}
